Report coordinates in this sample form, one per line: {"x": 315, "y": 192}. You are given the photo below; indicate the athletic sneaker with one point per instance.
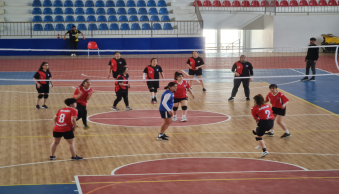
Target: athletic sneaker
{"x": 183, "y": 119}
{"x": 165, "y": 136}
{"x": 286, "y": 135}
{"x": 128, "y": 108}
{"x": 77, "y": 158}
{"x": 204, "y": 90}
{"x": 44, "y": 106}
{"x": 155, "y": 100}
{"x": 264, "y": 154}
{"x": 162, "y": 138}
{"x": 37, "y": 107}
{"x": 231, "y": 99}
{"x": 312, "y": 79}
{"x": 52, "y": 157}
{"x": 86, "y": 127}
{"x": 248, "y": 99}
{"x": 269, "y": 134}
{"x": 304, "y": 79}
{"x": 72, "y": 55}
{"x": 115, "y": 108}
{"x": 258, "y": 147}
{"x": 174, "y": 118}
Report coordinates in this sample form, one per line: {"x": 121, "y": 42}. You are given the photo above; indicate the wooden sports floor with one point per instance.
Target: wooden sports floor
{"x": 26, "y": 135}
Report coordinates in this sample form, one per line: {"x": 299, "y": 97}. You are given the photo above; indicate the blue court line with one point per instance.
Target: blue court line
{"x": 17, "y": 75}
{"x": 39, "y": 189}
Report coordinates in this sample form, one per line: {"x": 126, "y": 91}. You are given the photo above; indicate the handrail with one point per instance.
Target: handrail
{"x": 197, "y": 12}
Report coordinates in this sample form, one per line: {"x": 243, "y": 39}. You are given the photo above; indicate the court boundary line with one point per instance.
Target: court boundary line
{"x": 77, "y": 182}
{"x": 114, "y": 170}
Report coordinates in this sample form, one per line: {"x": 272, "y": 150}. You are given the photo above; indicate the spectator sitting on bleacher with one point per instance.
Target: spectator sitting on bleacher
{"x": 73, "y": 38}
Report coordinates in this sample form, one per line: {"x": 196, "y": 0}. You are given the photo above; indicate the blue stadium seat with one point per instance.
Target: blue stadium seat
{"x": 48, "y": 18}
{"x": 130, "y": 3}
{"x": 68, "y": 3}
{"x": 100, "y": 4}
{"x": 89, "y": 4}
{"x": 163, "y": 11}
{"x": 90, "y": 11}
{"x": 48, "y": 11}
{"x": 120, "y": 4}
{"x": 69, "y": 11}
{"x": 124, "y": 26}
{"x": 135, "y": 26}
{"x": 142, "y": 11}
{"x": 92, "y": 26}
{"x": 122, "y": 11}
{"x": 111, "y": 11}
{"x": 103, "y": 27}
{"x": 69, "y": 18}
{"x": 79, "y": 3}
{"x": 114, "y": 27}
{"x": 123, "y": 18}
{"x": 82, "y": 27}
{"x": 168, "y": 26}
{"x": 36, "y": 11}
{"x": 133, "y": 18}
{"x": 59, "y": 18}
{"x": 165, "y": 18}
{"x": 49, "y": 27}
{"x": 162, "y": 4}
{"x": 79, "y": 11}
{"x": 37, "y": 4}
{"x": 153, "y": 11}
{"x": 58, "y": 11}
{"x": 60, "y": 27}
{"x": 155, "y": 18}
{"x": 57, "y": 3}
{"x": 38, "y": 27}
{"x": 144, "y": 18}
{"x": 151, "y": 3}
{"x": 132, "y": 11}
{"x": 110, "y": 4}
{"x": 80, "y": 18}
{"x": 102, "y": 18}
{"x": 91, "y": 18}
{"x": 69, "y": 26}
{"x": 141, "y": 3}
{"x": 101, "y": 11}
{"x": 47, "y": 3}
{"x": 37, "y": 18}
{"x": 157, "y": 26}
{"x": 146, "y": 26}
{"x": 112, "y": 18}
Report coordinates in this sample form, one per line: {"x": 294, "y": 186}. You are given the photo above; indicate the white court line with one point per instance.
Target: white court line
{"x": 159, "y": 117}
{"x": 298, "y": 71}
{"x": 157, "y": 154}
{"x": 78, "y": 184}
{"x": 196, "y": 79}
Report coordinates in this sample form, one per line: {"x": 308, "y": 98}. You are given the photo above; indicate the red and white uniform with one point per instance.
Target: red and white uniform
{"x": 276, "y": 100}
{"x": 83, "y": 98}
{"x": 263, "y": 112}
{"x": 64, "y": 120}
{"x": 181, "y": 89}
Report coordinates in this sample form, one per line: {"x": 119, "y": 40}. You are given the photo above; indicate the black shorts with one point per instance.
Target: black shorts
{"x": 153, "y": 84}
{"x": 44, "y": 89}
{"x": 195, "y": 72}
{"x": 263, "y": 126}
{"x": 176, "y": 100}
{"x": 66, "y": 135}
{"x": 279, "y": 111}
{"x": 165, "y": 115}
{"x": 115, "y": 74}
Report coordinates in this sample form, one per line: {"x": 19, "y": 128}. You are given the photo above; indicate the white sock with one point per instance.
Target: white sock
{"x": 183, "y": 116}
{"x": 272, "y": 130}
{"x": 287, "y": 131}
{"x": 160, "y": 134}
{"x": 152, "y": 97}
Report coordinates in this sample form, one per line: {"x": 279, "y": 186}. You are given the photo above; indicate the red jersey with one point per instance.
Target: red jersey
{"x": 64, "y": 120}
{"x": 239, "y": 67}
{"x": 263, "y": 112}
{"x": 83, "y": 98}
{"x": 276, "y": 100}
{"x": 181, "y": 89}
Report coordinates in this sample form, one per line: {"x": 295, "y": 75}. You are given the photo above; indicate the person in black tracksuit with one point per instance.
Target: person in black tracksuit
{"x": 242, "y": 68}
{"x": 74, "y": 38}
{"x": 311, "y": 60}
{"x": 121, "y": 89}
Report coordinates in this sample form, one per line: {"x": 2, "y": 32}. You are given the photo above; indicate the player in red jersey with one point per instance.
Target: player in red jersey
{"x": 152, "y": 72}
{"x": 121, "y": 89}
{"x": 115, "y": 65}
{"x": 82, "y": 94}
{"x": 279, "y": 102}
{"x": 180, "y": 96}
{"x": 263, "y": 115}
{"x": 65, "y": 124}
{"x": 42, "y": 86}
{"x": 195, "y": 64}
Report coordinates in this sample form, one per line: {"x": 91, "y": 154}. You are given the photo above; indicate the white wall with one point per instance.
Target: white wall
{"x": 296, "y": 30}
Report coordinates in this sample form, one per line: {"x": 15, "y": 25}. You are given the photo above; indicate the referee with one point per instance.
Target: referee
{"x": 74, "y": 38}
{"x": 115, "y": 65}
{"x": 242, "y": 68}
{"x": 311, "y": 60}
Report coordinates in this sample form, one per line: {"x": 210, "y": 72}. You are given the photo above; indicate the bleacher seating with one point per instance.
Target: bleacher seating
{"x": 132, "y": 11}
{"x": 245, "y": 3}
{"x": 68, "y": 3}
{"x": 69, "y": 11}
{"x": 49, "y": 27}
{"x": 135, "y": 26}
{"x": 123, "y": 18}
{"x": 207, "y": 3}
{"x": 79, "y": 3}
{"x": 38, "y": 27}
{"x": 48, "y": 11}
{"x": 155, "y": 18}
{"x": 142, "y": 11}
{"x": 79, "y": 11}
{"x": 110, "y": 4}
{"x": 199, "y": 3}
{"x": 82, "y": 27}
{"x": 59, "y": 18}
{"x": 111, "y": 11}
{"x": 48, "y": 18}
{"x": 293, "y": 3}
{"x": 36, "y": 11}
{"x": 69, "y": 26}
{"x": 226, "y": 3}
{"x": 322, "y": 3}
{"x": 124, "y": 26}
{"x": 122, "y": 11}
{"x": 90, "y": 11}
{"x": 141, "y": 3}
{"x": 165, "y": 18}
{"x": 313, "y": 3}
{"x": 153, "y": 11}
{"x": 58, "y": 4}
{"x": 157, "y": 26}
{"x": 89, "y": 3}
{"x": 101, "y": 11}
{"x": 168, "y": 26}
{"x": 146, "y": 26}
{"x": 102, "y": 18}
{"x": 130, "y": 3}
{"x": 163, "y": 11}
{"x": 103, "y": 27}
{"x": 80, "y": 18}
{"x": 100, "y": 4}
{"x": 332, "y": 3}
{"x": 69, "y": 18}
{"x": 303, "y": 3}
{"x": 283, "y": 3}
{"x": 144, "y": 18}
{"x": 114, "y": 27}
{"x": 92, "y": 26}
{"x": 162, "y": 3}
{"x": 255, "y": 3}
{"x": 60, "y": 27}
{"x": 37, "y": 19}
{"x": 151, "y": 3}
{"x": 120, "y": 4}
{"x": 91, "y": 18}
{"x": 236, "y": 3}
{"x": 112, "y": 18}
{"x": 47, "y": 3}
{"x": 133, "y": 18}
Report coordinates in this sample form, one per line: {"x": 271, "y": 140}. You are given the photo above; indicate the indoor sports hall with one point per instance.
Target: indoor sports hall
{"x": 286, "y": 50}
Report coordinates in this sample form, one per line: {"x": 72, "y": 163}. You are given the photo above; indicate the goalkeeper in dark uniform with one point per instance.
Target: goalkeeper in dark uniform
{"x": 73, "y": 38}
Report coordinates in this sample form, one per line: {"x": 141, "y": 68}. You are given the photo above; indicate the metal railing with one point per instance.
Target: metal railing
{"x": 34, "y": 29}
{"x": 197, "y": 12}
{"x": 227, "y": 47}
